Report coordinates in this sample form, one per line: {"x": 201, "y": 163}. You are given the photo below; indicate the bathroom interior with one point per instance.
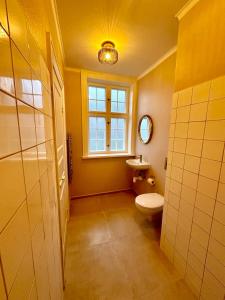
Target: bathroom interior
{"x": 112, "y": 149}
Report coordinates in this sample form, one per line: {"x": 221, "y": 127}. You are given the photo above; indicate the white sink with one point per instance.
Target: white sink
{"x": 137, "y": 165}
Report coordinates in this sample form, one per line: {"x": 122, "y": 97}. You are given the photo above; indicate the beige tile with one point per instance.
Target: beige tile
{"x": 218, "y": 232}
{"x": 215, "y": 267}
{"x": 196, "y": 130}
{"x": 181, "y": 130}
{"x": 207, "y": 186}
{"x": 199, "y": 251}
{"x": 175, "y": 187}
{"x": 173, "y": 116}
{"x": 219, "y": 213}
{"x": 200, "y": 235}
{"x": 10, "y": 199}
{"x": 210, "y": 168}
{"x": 215, "y": 130}
{"x": 201, "y": 92}
{"x": 193, "y": 280}
{"x": 222, "y": 175}
{"x": 175, "y": 100}
{"x": 179, "y": 263}
{"x": 216, "y": 110}
{"x": 194, "y": 147}
{"x": 192, "y": 163}
{"x": 31, "y": 171}
{"x": 188, "y": 194}
{"x": 202, "y": 220}
{"x": 10, "y": 240}
{"x": 18, "y": 25}
{"x": 183, "y": 114}
{"x": 198, "y": 112}
{"x": 195, "y": 264}
{"x": 213, "y": 150}
{"x": 24, "y": 278}
{"x": 184, "y": 221}
{"x": 212, "y": 288}
{"x": 186, "y": 209}
{"x": 221, "y": 193}
{"x": 179, "y": 145}
{"x": 218, "y": 88}
{"x": 9, "y": 130}
{"x": 2, "y": 288}
{"x": 170, "y": 144}
{"x": 185, "y": 97}
{"x": 217, "y": 250}
{"x": 3, "y": 15}
{"x": 22, "y": 73}
{"x": 6, "y": 73}
{"x": 176, "y": 173}
{"x": 178, "y": 160}
{"x": 190, "y": 179}
{"x": 27, "y": 125}
{"x": 205, "y": 203}
{"x": 34, "y": 206}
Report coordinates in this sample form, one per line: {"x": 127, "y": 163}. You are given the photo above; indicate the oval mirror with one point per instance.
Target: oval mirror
{"x": 145, "y": 129}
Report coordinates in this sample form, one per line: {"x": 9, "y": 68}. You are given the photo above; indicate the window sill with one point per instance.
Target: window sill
{"x": 108, "y": 155}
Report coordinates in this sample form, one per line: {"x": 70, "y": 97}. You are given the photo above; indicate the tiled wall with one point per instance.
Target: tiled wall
{"x": 29, "y": 248}
{"x": 193, "y": 231}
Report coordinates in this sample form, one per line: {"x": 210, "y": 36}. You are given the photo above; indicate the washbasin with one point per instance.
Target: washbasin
{"x": 137, "y": 164}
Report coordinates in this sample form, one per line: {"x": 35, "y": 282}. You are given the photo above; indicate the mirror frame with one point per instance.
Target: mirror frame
{"x": 139, "y": 129}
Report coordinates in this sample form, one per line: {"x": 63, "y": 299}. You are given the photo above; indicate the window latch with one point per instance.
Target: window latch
{"x": 108, "y": 122}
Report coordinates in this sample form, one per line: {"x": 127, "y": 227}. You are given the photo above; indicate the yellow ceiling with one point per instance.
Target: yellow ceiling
{"x": 143, "y": 31}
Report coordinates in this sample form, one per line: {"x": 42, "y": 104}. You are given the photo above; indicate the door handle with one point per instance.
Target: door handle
{"x": 62, "y": 180}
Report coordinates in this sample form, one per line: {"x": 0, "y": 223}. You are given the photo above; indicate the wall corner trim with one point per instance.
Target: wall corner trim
{"x": 58, "y": 28}
{"x": 186, "y": 8}
{"x": 158, "y": 62}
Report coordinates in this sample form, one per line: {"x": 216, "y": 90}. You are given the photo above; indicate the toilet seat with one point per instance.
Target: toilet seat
{"x": 150, "y": 202}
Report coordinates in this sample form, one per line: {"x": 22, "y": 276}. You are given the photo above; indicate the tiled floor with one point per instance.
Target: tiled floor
{"x": 113, "y": 253}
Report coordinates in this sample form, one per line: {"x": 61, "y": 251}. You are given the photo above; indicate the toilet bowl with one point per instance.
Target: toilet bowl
{"x": 149, "y": 204}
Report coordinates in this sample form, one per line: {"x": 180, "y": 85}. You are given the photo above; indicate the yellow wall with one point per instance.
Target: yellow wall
{"x": 90, "y": 175}
{"x": 29, "y": 250}
{"x": 193, "y": 230}
{"x": 201, "y": 44}
{"x": 154, "y": 99}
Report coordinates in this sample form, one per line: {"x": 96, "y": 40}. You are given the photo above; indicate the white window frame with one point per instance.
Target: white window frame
{"x": 109, "y": 82}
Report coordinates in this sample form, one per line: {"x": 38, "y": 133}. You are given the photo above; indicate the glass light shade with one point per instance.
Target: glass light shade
{"x": 108, "y": 54}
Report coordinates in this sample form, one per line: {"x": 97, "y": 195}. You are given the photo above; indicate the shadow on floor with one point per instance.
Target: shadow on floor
{"x": 113, "y": 253}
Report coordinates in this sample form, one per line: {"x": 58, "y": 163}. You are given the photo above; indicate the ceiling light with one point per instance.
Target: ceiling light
{"x": 108, "y": 54}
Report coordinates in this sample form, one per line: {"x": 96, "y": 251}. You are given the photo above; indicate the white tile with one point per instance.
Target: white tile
{"x": 205, "y": 203}
{"x": 185, "y": 97}
{"x": 10, "y": 240}
{"x": 219, "y": 213}
{"x": 179, "y": 145}
{"x": 192, "y": 163}
{"x": 176, "y": 173}
{"x": 215, "y": 130}
{"x": 194, "y": 147}
{"x": 178, "y": 159}
{"x": 188, "y": 194}
{"x": 212, "y": 288}
{"x": 202, "y": 220}
{"x": 183, "y": 114}
{"x": 174, "y": 200}
{"x": 175, "y": 187}
{"x": 190, "y": 179}
{"x": 186, "y": 209}
{"x": 196, "y": 130}
{"x": 216, "y": 110}
{"x": 210, "y": 168}
{"x": 198, "y": 112}
{"x": 207, "y": 186}
{"x": 184, "y": 222}
{"x": 181, "y": 130}
{"x": 213, "y": 150}
{"x": 201, "y": 92}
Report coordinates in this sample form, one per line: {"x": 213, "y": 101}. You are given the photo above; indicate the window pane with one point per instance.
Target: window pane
{"x": 118, "y": 128}
{"x": 118, "y": 101}
{"x": 97, "y": 98}
{"x": 97, "y": 134}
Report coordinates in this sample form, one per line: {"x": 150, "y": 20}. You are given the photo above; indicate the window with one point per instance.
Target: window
{"x": 108, "y": 119}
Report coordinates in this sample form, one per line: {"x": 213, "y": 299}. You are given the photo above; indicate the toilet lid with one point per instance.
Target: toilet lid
{"x": 150, "y": 200}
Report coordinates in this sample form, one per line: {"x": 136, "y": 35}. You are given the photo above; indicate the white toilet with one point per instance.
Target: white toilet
{"x": 149, "y": 204}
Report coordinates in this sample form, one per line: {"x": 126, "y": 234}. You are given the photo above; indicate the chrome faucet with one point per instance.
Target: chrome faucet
{"x": 139, "y": 156}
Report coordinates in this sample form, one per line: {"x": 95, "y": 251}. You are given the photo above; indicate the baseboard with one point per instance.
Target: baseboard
{"x": 101, "y": 193}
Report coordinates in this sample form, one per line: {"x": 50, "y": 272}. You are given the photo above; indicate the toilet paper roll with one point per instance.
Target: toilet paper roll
{"x": 151, "y": 181}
